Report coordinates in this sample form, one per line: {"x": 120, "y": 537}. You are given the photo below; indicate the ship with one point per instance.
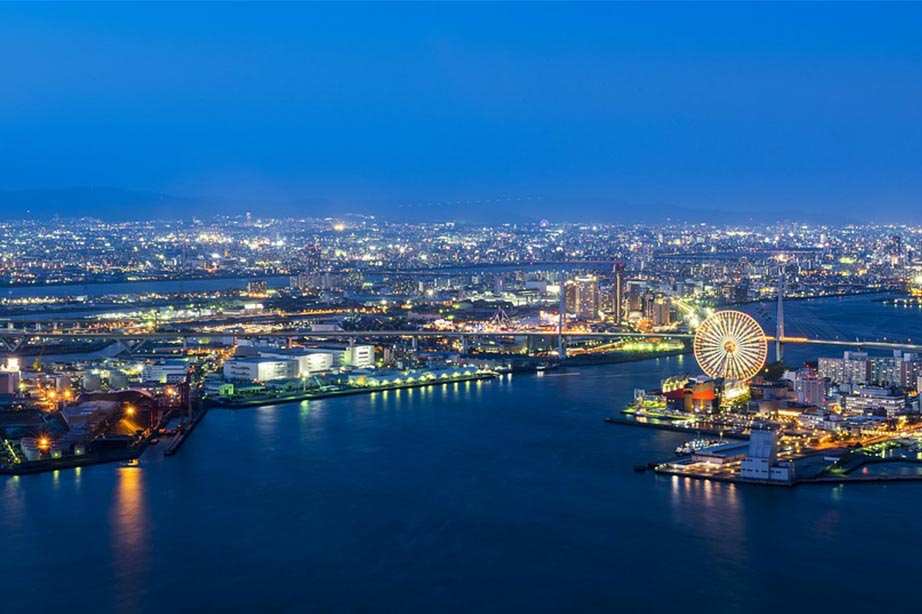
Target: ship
{"x": 699, "y": 443}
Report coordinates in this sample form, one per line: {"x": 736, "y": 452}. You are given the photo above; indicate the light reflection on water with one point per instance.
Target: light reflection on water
{"x": 446, "y": 497}
{"x": 129, "y": 522}
{"x": 712, "y": 510}
{"x": 13, "y": 500}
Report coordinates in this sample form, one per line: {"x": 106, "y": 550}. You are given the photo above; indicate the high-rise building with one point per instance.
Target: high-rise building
{"x": 660, "y": 312}
{"x": 635, "y": 295}
{"x": 569, "y": 294}
{"x": 809, "y": 387}
{"x": 618, "y": 292}
{"x": 910, "y": 368}
{"x": 852, "y": 368}
{"x": 582, "y": 297}
{"x": 258, "y": 288}
{"x": 648, "y": 301}
{"x": 895, "y": 250}
{"x": 884, "y": 370}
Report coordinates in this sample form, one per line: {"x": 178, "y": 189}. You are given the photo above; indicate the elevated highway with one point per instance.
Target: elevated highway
{"x": 13, "y": 338}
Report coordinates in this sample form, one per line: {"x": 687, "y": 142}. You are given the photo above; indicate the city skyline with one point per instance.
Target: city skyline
{"x": 460, "y": 306}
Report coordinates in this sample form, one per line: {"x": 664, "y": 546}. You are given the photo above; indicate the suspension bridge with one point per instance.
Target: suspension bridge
{"x": 791, "y": 323}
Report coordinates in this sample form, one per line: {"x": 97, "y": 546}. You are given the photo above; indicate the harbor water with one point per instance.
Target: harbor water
{"x": 495, "y": 496}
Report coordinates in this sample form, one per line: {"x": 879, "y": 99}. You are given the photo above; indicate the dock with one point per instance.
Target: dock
{"x": 72, "y": 462}
{"x": 675, "y": 428}
{"x": 275, "y": 399}
{"x": 182, "y": 435}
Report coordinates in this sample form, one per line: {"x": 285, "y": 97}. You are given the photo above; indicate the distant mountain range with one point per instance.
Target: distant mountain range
{"x": 104, "y": 203}
{"x": 116, "y": 204}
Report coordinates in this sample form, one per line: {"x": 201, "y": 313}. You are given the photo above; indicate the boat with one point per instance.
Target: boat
{"x": 154, "y": 441}
{"x": 640, "y": 468}
{"x": 699, "y": 443}
{"x": 131, "y": 462}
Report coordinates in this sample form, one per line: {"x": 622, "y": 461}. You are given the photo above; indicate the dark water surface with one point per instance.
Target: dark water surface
{"x": 509, "y": 495}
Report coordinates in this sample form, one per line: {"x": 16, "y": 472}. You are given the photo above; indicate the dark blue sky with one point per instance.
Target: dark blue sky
{"x": 594, "y": 111}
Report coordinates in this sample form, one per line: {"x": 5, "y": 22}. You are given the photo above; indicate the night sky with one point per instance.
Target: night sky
{"x": 595, "y": 112}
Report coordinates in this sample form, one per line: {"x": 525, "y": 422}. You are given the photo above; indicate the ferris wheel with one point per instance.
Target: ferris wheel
{"x": 731, "y": 345}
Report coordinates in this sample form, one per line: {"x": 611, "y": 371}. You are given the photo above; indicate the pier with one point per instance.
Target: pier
{"x": 704, "y": 430}
{"x": 185, "y": 431}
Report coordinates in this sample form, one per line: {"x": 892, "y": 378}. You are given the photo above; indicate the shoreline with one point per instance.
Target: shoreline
{"x": 75, "y": 462}
{"x": 156, "y": 280}
{"x": 311, "y": 396}
{"x": 624, "y": 358}
{"x": 663, "y": 468}
{"x": 675, "y": 429}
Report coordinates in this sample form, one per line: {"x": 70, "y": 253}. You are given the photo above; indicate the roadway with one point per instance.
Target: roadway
{"x": 190, "y": 334}
{"x": 21, "y": 335}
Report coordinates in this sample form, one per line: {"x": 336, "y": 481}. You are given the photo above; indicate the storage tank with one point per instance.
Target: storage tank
{"x": 30, "y": 448}
{"x": 118, "y": 380}
{"x": 91, "y": 382}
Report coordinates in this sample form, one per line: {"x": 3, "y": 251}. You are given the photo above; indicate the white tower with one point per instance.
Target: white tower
{"x": 779, "y": 334}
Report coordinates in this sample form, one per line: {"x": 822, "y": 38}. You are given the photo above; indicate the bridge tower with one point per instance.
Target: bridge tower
{"x": 779, "y": 333}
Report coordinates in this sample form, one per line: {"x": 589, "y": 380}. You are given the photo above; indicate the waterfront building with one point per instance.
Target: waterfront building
{"x": 761, "y": 460}
{"x": 698, "y": 396}
{"x": 721, "y": 454}
{"x": 308, "y": 361}
{"x": 258, "y": 288}
{"x": 259, "y": 369}
{"x": 359, "y": 356}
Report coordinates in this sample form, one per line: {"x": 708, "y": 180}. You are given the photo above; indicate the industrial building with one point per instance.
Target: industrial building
{"x": 165, "y": 372}
{"x": 259, "y": 369}
{"x": 309, "y": 361}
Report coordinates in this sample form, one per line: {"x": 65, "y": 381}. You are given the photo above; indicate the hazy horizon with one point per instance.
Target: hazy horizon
{"x": 486, "y": 112}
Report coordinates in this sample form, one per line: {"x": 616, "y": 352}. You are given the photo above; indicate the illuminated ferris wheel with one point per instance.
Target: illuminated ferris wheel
{"x": 731, "y": 345}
